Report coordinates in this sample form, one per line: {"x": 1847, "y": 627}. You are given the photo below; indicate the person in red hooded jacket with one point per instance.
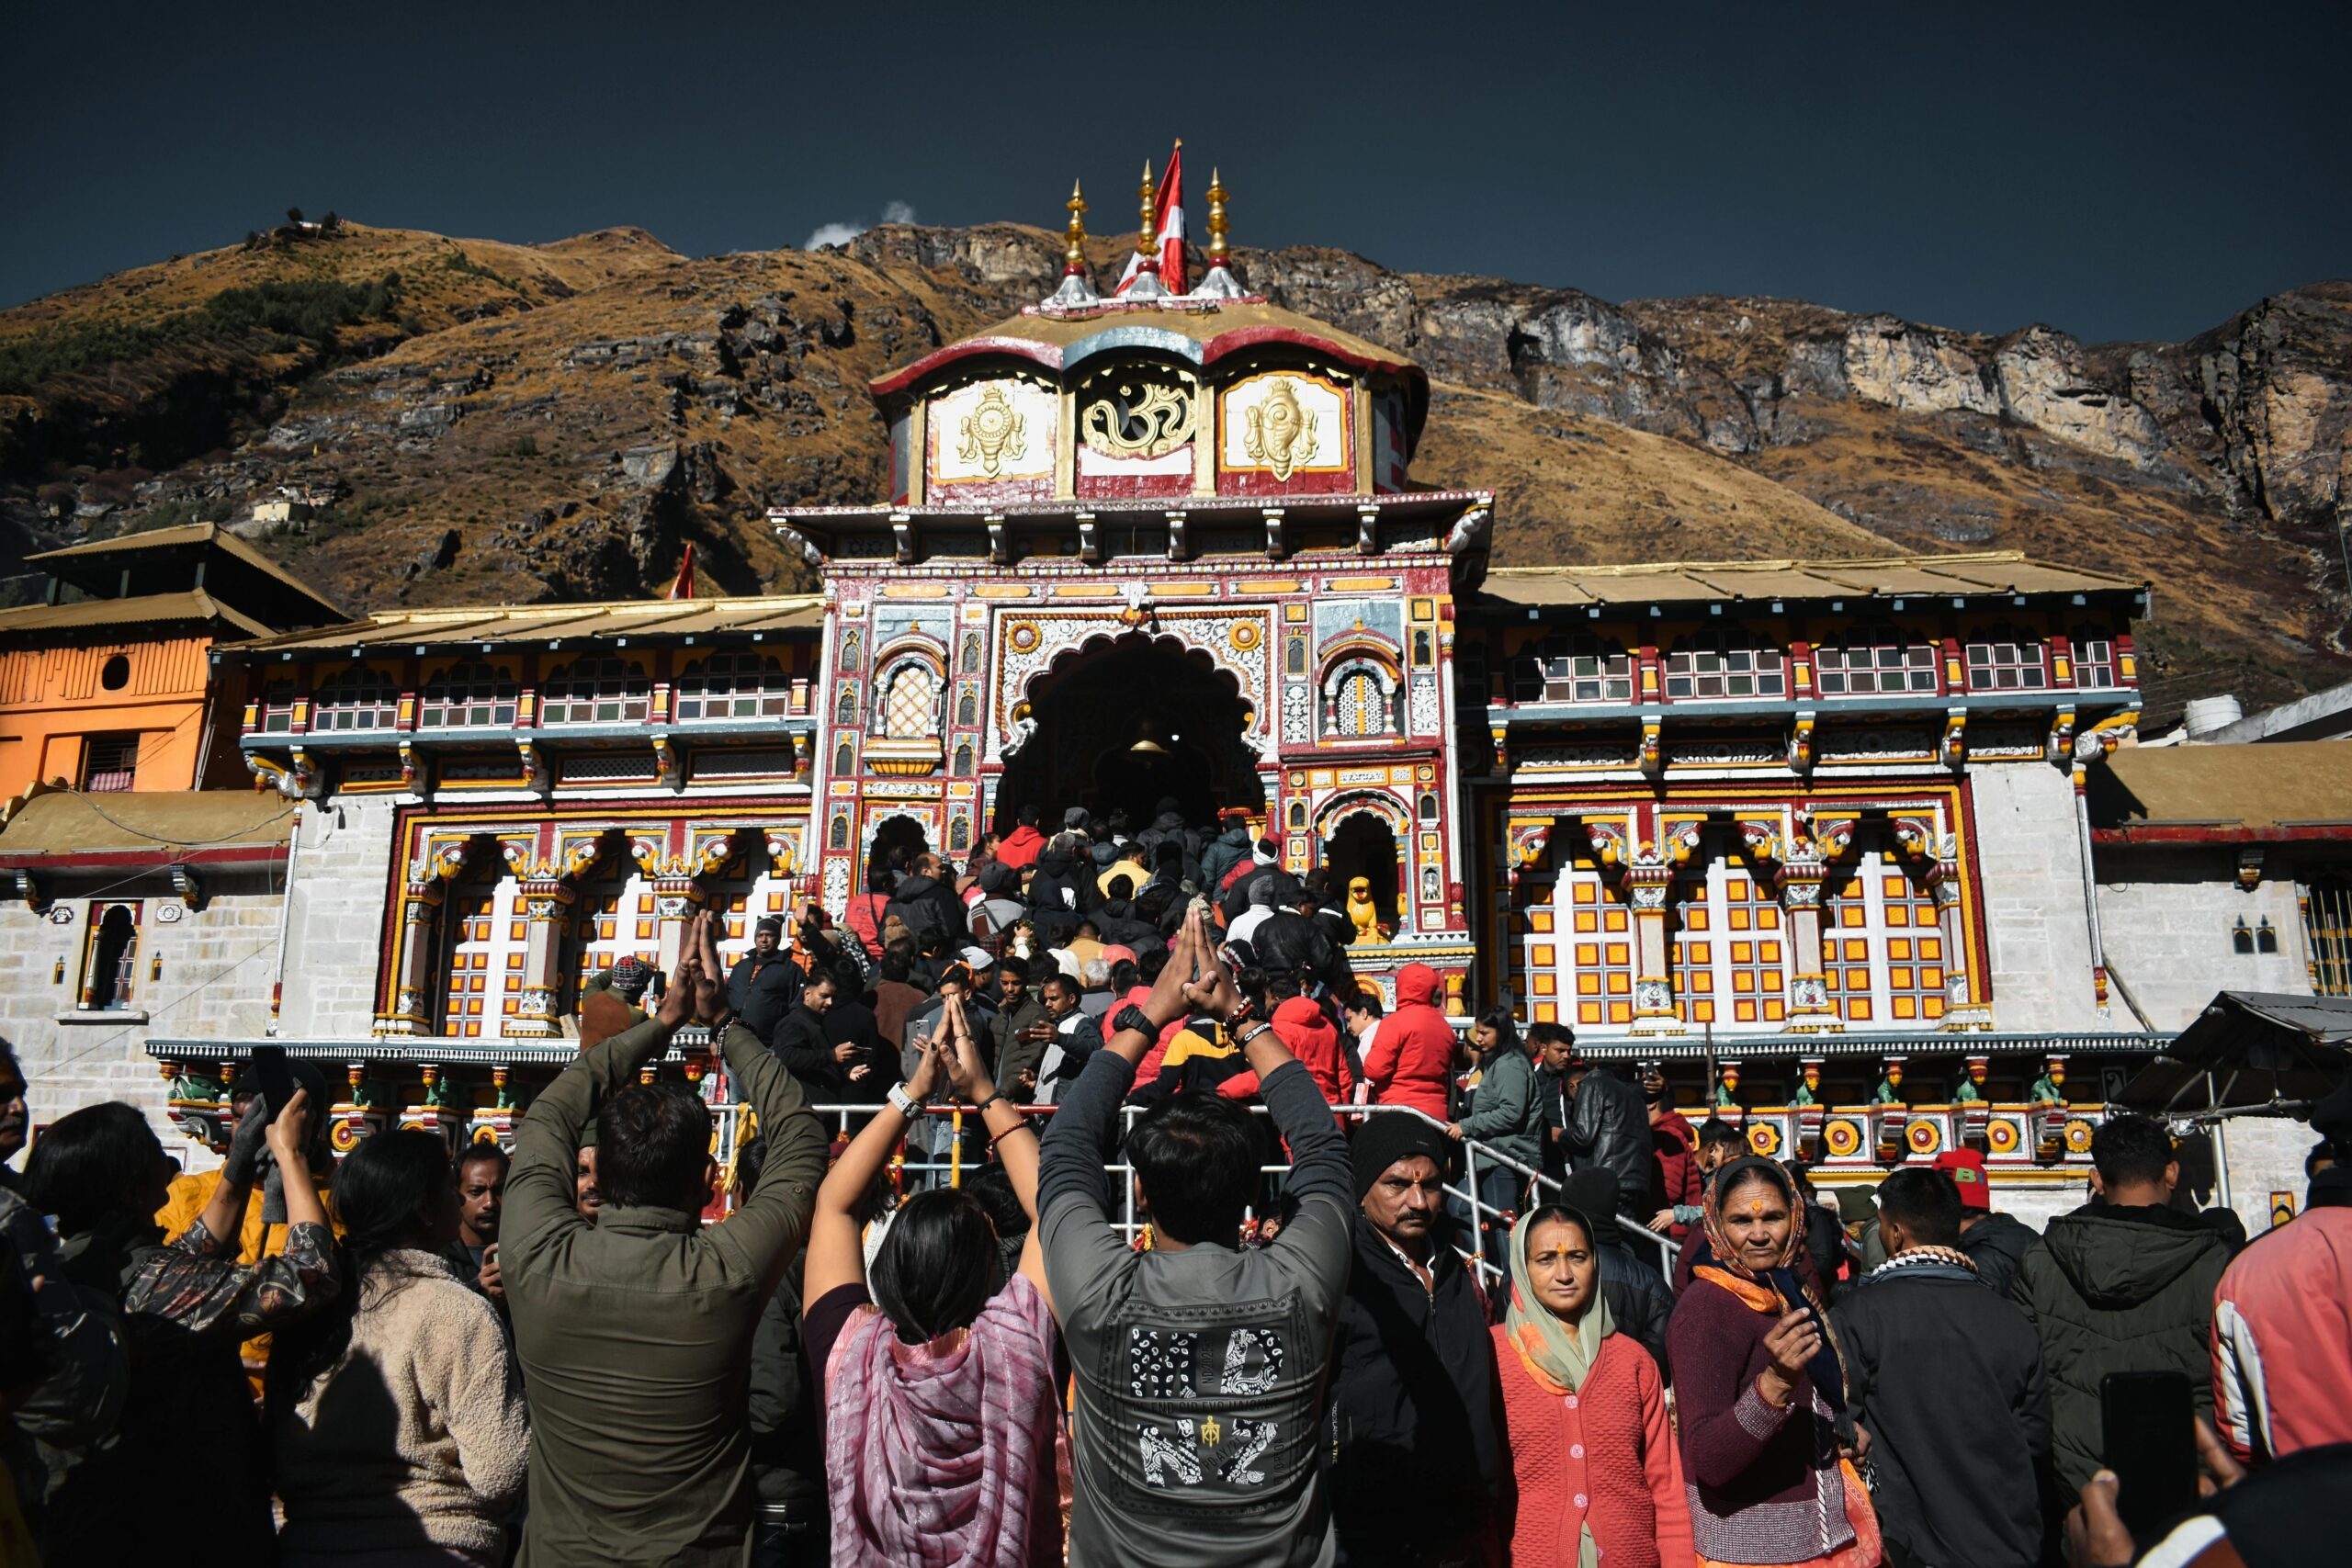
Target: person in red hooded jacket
{"x": 1021, "y": 847}
{"x": 1314, "y": 1040}
{"x": 1412, "y": 1060}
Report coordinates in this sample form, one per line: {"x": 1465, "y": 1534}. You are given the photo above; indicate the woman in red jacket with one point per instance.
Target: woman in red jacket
{"x": 1594, "y": 1473}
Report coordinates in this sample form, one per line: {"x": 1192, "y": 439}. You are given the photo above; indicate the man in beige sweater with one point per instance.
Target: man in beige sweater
{"x": 634, "y": 1332}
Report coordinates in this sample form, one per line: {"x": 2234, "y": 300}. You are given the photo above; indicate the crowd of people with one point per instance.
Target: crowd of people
{"x": 939, "y": 1340}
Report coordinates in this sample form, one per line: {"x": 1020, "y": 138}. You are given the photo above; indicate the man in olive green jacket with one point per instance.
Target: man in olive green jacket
{"x": 635, "y": 1333}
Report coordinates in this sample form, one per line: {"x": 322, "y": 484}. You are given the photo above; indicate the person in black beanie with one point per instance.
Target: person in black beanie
{"x": 1412, "y": 1463}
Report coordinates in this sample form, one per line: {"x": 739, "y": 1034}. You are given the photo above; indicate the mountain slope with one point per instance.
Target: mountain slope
{"x": 531, "y": 422}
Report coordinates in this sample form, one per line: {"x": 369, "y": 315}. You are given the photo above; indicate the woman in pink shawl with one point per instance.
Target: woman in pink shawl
{"x": 940, "y": 1403}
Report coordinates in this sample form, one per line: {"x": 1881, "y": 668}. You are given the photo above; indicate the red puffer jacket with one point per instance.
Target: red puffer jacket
{"x": 1314, "y": 1041}
{"x": 1411, "y": 1061}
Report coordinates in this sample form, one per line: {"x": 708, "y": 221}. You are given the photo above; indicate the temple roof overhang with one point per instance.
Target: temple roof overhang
{"x": 548, "y": 625}
{"x": 50, "y": 829}
{"x": 1191, "y": 328}
{"x": 1769, "y": 584}
{"x": 2184, "y": 796}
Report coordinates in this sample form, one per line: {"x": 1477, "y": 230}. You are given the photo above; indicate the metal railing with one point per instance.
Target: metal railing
{"x": 944, "y": 1162}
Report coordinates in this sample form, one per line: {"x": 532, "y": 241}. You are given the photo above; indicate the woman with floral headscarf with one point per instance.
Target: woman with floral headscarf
{"x": 1762, "y": 1395}
{"x": 1594, "y": 1473}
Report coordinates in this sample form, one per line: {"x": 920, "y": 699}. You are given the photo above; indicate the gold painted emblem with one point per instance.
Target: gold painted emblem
{"x": 1149, "y": 419}
{"x": 1277, "y": 431}
{"x": 993, "y": 432}
{"x": 1211, "y": 1433}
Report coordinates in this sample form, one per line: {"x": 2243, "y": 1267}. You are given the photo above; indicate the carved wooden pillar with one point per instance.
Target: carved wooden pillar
{"x": 547, "y": 904}
{"x": 414, "y": 975}
{"x": 1800, "y": 881}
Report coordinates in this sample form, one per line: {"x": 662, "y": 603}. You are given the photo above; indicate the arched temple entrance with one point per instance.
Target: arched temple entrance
{"x": 1125, "y": 726}
{"x": 1359, "y": 841}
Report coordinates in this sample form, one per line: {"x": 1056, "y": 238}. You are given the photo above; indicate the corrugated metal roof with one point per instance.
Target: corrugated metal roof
{"x": 2249, "y": 1049}
{"x": 549, "y": 623}
{"x": 146, "y": 609}
{"x": 2005, "y": 571}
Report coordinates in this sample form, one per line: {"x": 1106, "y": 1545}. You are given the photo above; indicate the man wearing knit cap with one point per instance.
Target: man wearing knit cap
{"x": 624, "y": 983}
{"x": 1413, "y": 1462}
{"x": 1994, "y": 1242}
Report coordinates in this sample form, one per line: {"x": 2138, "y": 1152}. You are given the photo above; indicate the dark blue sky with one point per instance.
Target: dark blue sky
{"x": 2133, "y": 171}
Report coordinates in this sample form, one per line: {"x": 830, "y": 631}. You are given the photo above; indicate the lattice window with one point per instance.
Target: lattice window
{"x": 1731, "y": 953}
{"x": 2006, "y": 659}
{"x": 487, "y": 945}
{"x": 109, "y": 763}
{"x": 1875, "y": 659}
{"x": 1358, "y": 706}
{"x": 470, "y": 694}
{"x": 735, "y": 685}
{"x": 1881, "y": 944}
{"x": 1581, "y": 669}
{"x": 2327, "y": 935}
{"x": 1576, "y": 954}
{"x": 277, "y": 707}
{"x": 2095, "y": 661}
{"x": 361, "y": 698}
{"x": 600, "y": 689}
{"x": 909, "y": 709}
{"x": 1725, "y": 664}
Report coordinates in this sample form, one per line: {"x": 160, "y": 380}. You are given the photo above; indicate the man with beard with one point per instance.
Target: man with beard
{"x": 15, "y": 1118}
{"x": 1412, "y": 1460}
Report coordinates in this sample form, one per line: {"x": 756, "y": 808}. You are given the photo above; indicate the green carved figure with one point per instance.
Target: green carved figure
{"x": 1967, "y": 1093}
{"x": 1890, "y": 1089}
{"x": 2050, "y": 1089}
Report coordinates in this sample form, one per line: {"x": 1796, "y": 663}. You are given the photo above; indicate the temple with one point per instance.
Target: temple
{"x": 1817, "y": 835}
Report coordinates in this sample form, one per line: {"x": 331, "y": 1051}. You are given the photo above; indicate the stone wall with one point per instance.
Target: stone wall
{"x": 217, "y": 964}
{"x": 342, "y": 884}
{"x": 2036, "y": 913}
{"x": 2169, "y": 915}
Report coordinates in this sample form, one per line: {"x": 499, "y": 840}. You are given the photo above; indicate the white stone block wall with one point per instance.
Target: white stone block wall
{"x": 216, "y": 964}
{"x": 342, "y": 884}
{"x": 2036, "y": 918}
{"x": 2169, "y": 915}
{"x": 2265, "y": 1155}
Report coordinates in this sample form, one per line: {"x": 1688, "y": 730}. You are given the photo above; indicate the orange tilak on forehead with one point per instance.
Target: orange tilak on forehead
{"x": 1756, "y": 1208}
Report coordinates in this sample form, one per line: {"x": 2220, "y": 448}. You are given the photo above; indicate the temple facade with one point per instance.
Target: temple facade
{"x": 1814, "y": 835}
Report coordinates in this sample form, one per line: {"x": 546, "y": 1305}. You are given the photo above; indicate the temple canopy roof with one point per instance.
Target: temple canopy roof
{"x": 2001, "y": 572}
{"x": 653, "y": 620}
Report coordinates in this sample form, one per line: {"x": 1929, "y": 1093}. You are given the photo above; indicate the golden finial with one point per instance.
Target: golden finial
{"x": 1074, "y": 258}
{"x": 1216, "y": 218}
{"x": 1146, "y": 243}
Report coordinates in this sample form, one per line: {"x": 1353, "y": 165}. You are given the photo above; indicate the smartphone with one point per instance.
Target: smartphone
{"x": 2150, "y": 1441}
{"x": 276, "y": 1079}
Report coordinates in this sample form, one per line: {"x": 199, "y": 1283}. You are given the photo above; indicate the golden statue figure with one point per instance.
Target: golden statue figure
{"x": 993, "y": 432}
{"x": 1277, "y": 431}
{"x": 1361, "y": 910}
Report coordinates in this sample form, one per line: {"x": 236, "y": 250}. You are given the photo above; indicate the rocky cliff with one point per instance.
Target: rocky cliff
{"x": 478, "y": 420}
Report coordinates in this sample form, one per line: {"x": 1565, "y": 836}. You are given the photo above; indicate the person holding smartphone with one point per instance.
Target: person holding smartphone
{"x": 1761, "y": 1391}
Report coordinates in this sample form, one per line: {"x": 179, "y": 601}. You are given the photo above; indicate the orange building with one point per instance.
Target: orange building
{"x": 107, "y": 686}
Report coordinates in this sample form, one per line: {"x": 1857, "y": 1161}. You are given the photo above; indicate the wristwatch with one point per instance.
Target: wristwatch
{"x": 1133, "y": 1017}
{"x": 903, "y": 1103}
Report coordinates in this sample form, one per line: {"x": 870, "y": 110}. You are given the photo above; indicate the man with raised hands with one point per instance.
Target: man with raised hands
{"x": 1200, "y": 1362}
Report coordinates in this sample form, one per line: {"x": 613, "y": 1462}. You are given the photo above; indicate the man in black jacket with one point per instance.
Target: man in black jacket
{"x": 1947, "y": 1378}
{"x": 1997, "y": 1243}
{"x": 925, "y": 902}
{"x": 834, "y": 1072}
{"x": 766, "y": 982}
{"x": 1411, "y": 1456}
{"x": 1608, "y": 1124}
{"x": 1638, "y": 1296}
